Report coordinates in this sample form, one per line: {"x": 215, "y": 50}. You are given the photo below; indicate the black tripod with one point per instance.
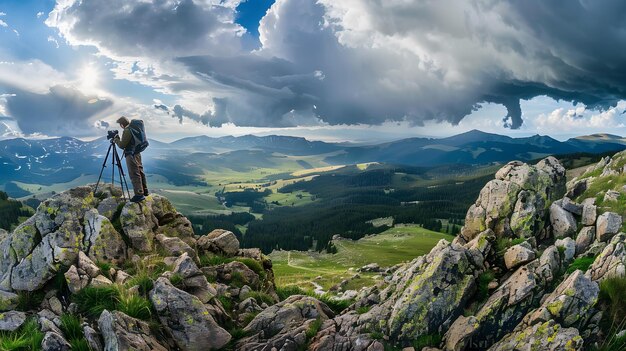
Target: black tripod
{"x": 115, "y": 163}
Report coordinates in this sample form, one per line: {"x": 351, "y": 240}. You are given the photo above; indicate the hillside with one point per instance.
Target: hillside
{"x": 537, "y": 264}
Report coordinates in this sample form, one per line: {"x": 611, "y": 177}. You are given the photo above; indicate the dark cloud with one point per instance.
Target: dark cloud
{"x": 62, "y": 111}
{"x": 365, "y": 61}
{"x": 161, "y": 28}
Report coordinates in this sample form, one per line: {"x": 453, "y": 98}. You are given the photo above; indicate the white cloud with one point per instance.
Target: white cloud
{"x": 408, "y": 60}
{"x": 39, "y": 14}
{"x": 3, "y": 24}
{"x": 51, "y": 39}
{"x": 34, "y": 76}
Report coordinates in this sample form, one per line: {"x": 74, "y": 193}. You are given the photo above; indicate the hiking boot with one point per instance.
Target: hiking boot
{"x": 137, "y": 198}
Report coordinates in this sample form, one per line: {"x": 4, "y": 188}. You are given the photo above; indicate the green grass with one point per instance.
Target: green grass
{"x": 363, "y": 309}
{"x": 503, "y": 244}
{"x": 284, "y": 292}
{"x": 27, "y": 337}
{"x": 260, "y": 297}
{"x": 483, "y": 285}
{"x": 313, "y": 328}
{"x": 612, "y": 299}
{"x": 396, "y": 245}
{"x": 29, "y": 300}
{"x": 432, "y": 340}
{"x": 135, "y": 306}
{"x": 71, "y": 326}
{"x": 582, "y": 263}
{"x": 92, "y": 300}
{"x": 176, "y": 280}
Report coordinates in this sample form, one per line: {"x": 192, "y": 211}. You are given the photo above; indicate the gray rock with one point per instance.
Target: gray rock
{"x": 589, "y": 214}
{"x": 139, "y": 224}
{"x": 458, "y": 337}
{"x": 518, "y": 255}
{"x": 174, "y": 246}
{"x": 194, "y": 281}
{"x": 283, "y": 326}
{"x": 570, "y": 304}
{"x": 549, "y": 264}
{"x": 611, "y": 262}
{"x": 54, "y": 342}
{"x": 100, "y": 281}
{"x": 186, "y": 319}
{"x": 102, "y": 242}
{"x": 93, "y": 338}
{"x": 563, "y": 222}
{"x": 568, "y": 245}
{"x": 335, "y": 335}
{"x": 75, "y": 281}
{"x": 121, "y": 332}
{"x": 8, "y": 300}
{"x": 611, "y": 195}
{"x": 584, "y": 239}
{"x": 10, "y": 321}
{"x": 548, "y": 336}
{"x": 572, "y": 207}
{"x": 220, "y": 241}
{"x": 608, "y": 224}
{"x": 85, "y": 264}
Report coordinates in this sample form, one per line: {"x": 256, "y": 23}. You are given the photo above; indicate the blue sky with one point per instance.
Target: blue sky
{"x": 352, "y": 70}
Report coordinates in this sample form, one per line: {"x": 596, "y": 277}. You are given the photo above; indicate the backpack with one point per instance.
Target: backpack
{"x": 138, "y": 133}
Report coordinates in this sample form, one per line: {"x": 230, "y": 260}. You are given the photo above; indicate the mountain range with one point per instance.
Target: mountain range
{"x": 50, "y": 161}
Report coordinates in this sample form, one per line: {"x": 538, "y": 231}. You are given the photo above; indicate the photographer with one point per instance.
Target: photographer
{"x": 132, "y": 147}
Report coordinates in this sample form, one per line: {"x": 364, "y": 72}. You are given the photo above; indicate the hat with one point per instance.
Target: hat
{"x": 123, "y": 121}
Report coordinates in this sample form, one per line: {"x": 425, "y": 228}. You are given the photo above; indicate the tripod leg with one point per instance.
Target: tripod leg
{"x": 104, "y": 164}
{"x": 123, "y": 182}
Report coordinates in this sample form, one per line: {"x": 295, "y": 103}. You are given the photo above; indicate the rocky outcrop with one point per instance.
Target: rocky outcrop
{"x": 515, "y": 202}
{"x": 608, "y": 224}
{"x": 285, "y": 325}
{"x": 186, "y": 319}
{"x": 548, "y": 336}
{"x": 121, "y": 332}
{"x": 611, "y": 262}
{"x": 220, "y": 241}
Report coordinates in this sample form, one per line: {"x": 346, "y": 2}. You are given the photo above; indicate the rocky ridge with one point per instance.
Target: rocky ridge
{"x": 512, "y": 280}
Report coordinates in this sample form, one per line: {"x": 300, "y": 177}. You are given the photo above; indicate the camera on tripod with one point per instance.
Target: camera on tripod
{"x": 112, "y": 134}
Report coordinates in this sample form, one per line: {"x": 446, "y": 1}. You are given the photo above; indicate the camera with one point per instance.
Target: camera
{"x": 112, "y": 134}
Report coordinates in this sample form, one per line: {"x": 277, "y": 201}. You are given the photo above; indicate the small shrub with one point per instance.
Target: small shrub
{"x": 237, "y": 280}
{"x": 260, "y": 297}
{"x": 254, "y": 265}
{"x": 29, "y": 300}
{"x": 582, "y": 263}
{"x": 363, "y": 309}
{"x": 176, "y": 280}
{"x": 432, "y": 340}
{"x": 336, "y": 305}
{"x": 483, "y": 285}
{"x": 105, "y": 268}
{"x": 377, "y": 335}
{"x": 284, "y": 292}
{"x": 92, "y": 301}
{"x": 238, "y": 333}
{"x": 226, "y": 303}
{"x": 313, "y": 328}
{"x": 79, "y": 345}
{"x": 143, "y": 280}
{"x": 27, "y": 337}
{"x": 71, "y": 326}
{"x": 213, "y": 260}
{"x": 135, "y": 306}
{"x": 613, "y": 296}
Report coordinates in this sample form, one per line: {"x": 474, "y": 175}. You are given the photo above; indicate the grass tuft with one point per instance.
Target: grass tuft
{"x": 29, "y": 300}
{"x": 27, "y": 337}
{"x": 582, "y": 263}
{"x": 92, "y": 300}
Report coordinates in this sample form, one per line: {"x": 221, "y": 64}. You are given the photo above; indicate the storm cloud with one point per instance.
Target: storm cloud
{"x": 362, "y": 61}
{"x": 60, "y": 111}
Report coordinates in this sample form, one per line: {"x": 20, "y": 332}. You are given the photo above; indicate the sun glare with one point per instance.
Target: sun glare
{"x": 89, "y": 77}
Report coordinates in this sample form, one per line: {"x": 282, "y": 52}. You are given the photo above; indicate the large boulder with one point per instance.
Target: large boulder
{"x": 518, "y": 255}
{"x": 570, "y": 304}
{"x": 53, "y": 341}
{"x": 611, "y": 262}
{"x": 8, "y": 300}
{"x": 193, "y": 280}
{"x": 121, "y": 332}
{"x": 284, "y": 326}
{"x": 514, "y": 203}
{"x": 186, "y": 319}
{"x": 585, "y": 237}
{"x": 102, "y": 242}
{"x": 139, "y": 225}
{"x": 548, "y": 336}
{"x": 220, "y": 241}
{"x": 10, "y": 321}
{"x": 563, "y": 222}
{"x": 608, "y": 224}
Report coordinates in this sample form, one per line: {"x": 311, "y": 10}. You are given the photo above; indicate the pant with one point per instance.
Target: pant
{"x": 135, "y": 172}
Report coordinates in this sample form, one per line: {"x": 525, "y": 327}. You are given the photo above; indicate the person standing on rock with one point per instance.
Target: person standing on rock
{"x": 133, "y": 142}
